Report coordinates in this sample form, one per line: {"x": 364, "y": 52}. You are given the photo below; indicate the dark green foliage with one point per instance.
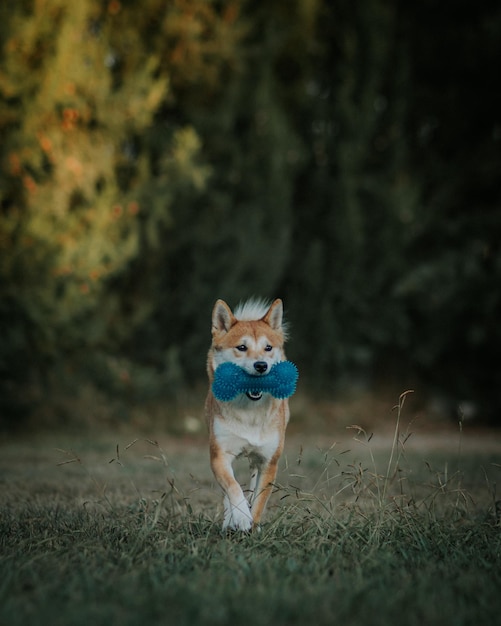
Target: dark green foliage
{"x": 156, "y": 156}
{"x": 455, "y": 132}
{"x": 356, "y": 197}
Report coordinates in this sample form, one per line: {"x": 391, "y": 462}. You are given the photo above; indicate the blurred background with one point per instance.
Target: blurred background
{"x": 157, "y": 155}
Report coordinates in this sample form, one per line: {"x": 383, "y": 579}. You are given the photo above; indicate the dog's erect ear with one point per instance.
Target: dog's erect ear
{"x": 275, "y": 315}
{"x": 222, "y": 317}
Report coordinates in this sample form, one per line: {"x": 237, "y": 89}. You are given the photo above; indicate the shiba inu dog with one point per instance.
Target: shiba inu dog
{"x": 253, "y": 424}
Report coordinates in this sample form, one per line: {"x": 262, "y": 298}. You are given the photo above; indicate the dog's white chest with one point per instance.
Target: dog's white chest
{"x": 254, "y": 434}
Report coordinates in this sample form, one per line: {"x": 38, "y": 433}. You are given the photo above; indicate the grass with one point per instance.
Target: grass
{"x": 372, "y": 531}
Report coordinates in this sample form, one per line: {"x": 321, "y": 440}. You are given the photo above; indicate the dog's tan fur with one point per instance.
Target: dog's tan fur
{"x": 245, "y": 426}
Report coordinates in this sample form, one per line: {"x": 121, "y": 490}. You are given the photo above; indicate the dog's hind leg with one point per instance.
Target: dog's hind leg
{"x": 265, "y": 478}
{"x": 255, "y": 465}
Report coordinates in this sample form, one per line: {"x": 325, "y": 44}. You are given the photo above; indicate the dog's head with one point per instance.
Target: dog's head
{"x": 253, "y": 337}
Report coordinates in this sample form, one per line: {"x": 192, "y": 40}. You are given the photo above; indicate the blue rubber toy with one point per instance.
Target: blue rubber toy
{"x": 230, "y": 380}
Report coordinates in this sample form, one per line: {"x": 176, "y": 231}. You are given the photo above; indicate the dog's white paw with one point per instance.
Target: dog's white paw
{"x": 238, "y": 517}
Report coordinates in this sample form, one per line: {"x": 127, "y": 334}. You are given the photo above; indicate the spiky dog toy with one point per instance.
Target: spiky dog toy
{"x": 230, "y": 380}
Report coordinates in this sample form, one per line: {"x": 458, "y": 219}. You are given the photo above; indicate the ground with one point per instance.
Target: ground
{"x": 125, "y": 465}
{"x": 124, "y": 527}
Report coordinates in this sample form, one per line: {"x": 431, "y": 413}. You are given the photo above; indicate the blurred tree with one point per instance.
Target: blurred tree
{"x": 350, "y": 241}
{"x": 233, "y": 240}
{"x": 451, "y": 285}
{"x": 400, "y": 249}
{"x": 79, "y": 90}
{"x": 156, "y": 156}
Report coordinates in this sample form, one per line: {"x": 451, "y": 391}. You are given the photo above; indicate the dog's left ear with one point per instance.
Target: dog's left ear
{"x": 275, "y": 315}
{"x": 222, "y": 317}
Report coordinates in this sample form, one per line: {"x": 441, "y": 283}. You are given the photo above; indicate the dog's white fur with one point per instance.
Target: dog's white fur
{"x": 250, "y": 426}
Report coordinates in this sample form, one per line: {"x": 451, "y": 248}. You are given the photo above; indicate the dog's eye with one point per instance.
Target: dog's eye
{"x": 269, "y": 348}
{"x": 242, "y": 348}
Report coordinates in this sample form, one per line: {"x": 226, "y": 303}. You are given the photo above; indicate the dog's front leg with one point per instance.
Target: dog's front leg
{"x": 237, "y": 515}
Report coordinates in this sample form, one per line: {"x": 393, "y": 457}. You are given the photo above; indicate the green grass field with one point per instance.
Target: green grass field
{"x": 361, "y": 530}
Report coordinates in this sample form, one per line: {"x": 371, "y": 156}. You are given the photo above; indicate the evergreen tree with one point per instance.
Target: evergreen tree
{"x": 156, "y": 156}
{"x": 79, "y": 90}
{"x": 232, "y": 241}
{"x": 350, "y": 240}
{"x": 449, "y": 287}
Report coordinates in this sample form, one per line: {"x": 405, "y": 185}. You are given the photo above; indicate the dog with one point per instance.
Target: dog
{"x": 253, "y": 424}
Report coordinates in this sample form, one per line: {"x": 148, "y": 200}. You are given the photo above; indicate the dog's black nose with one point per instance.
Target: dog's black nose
{"x": 260, "y": 367}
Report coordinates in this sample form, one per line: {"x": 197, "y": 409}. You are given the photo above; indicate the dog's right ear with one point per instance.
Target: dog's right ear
{"x": 222, "y": 317}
